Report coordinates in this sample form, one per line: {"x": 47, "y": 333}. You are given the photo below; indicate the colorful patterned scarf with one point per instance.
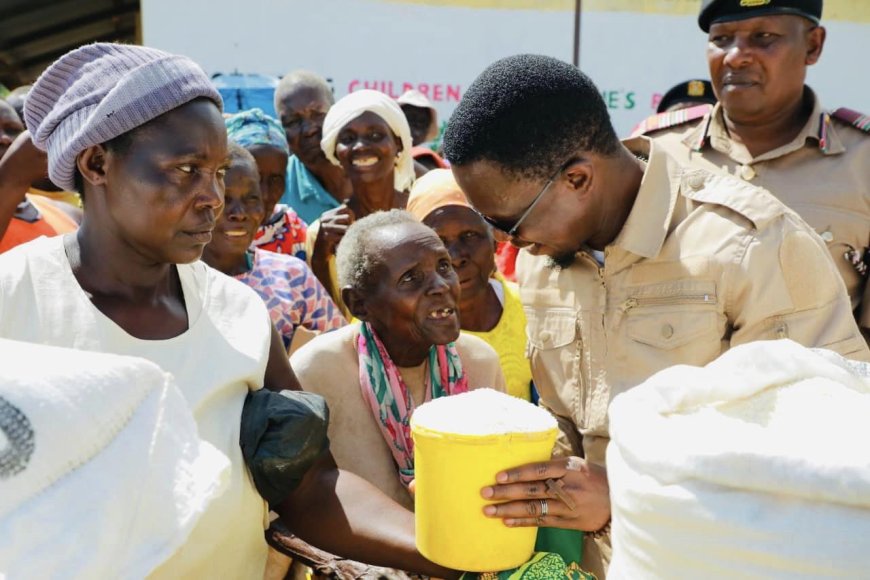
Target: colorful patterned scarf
{"x": 388, "y": 397}
{"x": 254, "y": 127}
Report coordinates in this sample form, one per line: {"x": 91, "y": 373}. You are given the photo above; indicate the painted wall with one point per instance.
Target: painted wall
{"x": 633, "y": 49}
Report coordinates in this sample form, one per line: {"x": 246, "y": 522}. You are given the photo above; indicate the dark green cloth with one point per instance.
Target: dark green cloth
{"x": 558, "y": 554}
{"x": 566, "y": 543}
{"x": 542, "y": 566}
{"x": 282, "y": 435}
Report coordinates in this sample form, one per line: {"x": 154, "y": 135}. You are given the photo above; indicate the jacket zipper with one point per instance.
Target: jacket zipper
{"x": 637, "y": 302}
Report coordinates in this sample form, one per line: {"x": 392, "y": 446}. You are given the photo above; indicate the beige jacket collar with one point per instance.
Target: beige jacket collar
{"x": 818, "y": 130}
{"x": 650, "y": 218}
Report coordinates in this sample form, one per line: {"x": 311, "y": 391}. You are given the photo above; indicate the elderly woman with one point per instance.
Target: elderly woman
{"x": 140, "y": 132}
{"x": 282, "y": 230}
{"x": 489, "y": 307}
{"x": 288, "y": 287}
{"x": 314, "y": 185}
{"x": 396, "y": 278}
{"x": 367, "y": 135}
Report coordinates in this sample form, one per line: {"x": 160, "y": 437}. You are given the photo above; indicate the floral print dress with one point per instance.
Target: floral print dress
{"x": 293, "y": 295}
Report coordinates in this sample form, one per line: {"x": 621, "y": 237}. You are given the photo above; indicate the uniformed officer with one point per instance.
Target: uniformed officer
{"x": 770, "y": 129}
{"x": 632, "y": 264}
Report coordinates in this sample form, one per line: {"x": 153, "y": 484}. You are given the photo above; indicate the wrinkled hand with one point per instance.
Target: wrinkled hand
{"x": 26, "y": 163}
{"x": 333, "y": 226}
{"x": 520, "y": 492}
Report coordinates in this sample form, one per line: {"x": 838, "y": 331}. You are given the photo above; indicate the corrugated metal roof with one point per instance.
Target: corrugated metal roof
{"x": 33, "y": 33}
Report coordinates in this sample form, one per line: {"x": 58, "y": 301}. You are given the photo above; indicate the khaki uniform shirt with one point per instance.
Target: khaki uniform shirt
{"x": 823, "y": 174}
{"x": 705, "y": 261}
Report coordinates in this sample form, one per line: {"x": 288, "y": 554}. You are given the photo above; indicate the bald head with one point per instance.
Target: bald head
{"x": 299, "y": 80}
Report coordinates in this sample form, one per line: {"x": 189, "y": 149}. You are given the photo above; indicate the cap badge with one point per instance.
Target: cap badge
{"x": 695, "y": 89}
{"x": 753, "y": 3}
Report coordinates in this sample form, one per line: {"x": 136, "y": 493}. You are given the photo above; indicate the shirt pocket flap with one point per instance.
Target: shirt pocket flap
{"x": 667, "y": 330}
{"x": 550, "y": 328}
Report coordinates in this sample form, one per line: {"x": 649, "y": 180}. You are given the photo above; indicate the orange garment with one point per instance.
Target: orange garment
{"x": 436, "y": 189}
{"x": 51, "y": 222}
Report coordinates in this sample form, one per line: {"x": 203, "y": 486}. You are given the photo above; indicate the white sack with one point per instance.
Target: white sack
{"x": 102, "y": 472}
{"x": 755, "y": 466}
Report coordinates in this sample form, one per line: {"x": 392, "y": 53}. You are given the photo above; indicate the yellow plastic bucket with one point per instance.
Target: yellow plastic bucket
{"x": 450, "y": 470}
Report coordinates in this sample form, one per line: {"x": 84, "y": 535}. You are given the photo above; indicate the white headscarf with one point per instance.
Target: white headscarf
{"x": 355, "y": 104}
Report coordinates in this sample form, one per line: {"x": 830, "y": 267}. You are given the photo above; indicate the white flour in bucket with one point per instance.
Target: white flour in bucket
{"x": 483, "y": 412}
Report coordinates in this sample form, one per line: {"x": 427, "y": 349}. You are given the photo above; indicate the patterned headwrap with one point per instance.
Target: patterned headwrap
{"x": 254, "y": 127}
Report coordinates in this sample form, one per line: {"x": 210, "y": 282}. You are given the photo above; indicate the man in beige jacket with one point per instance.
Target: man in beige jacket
{"x": 633, "y": 264}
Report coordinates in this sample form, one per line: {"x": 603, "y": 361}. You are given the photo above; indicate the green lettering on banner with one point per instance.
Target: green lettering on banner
{"x": 620, "y": 99}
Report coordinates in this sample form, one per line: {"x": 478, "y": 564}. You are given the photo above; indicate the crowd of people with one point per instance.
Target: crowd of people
{"x": 530, "y": 250}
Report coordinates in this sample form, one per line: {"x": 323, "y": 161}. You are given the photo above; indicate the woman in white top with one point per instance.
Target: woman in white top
{"x": 139, "y": 133}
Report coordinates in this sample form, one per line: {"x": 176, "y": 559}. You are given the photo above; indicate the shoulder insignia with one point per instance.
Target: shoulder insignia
{"x": 858, "y": 120}
{"x": 670, "y": 119}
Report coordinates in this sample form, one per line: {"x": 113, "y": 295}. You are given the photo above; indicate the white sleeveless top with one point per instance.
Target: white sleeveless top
{"x": 221, "y": 356}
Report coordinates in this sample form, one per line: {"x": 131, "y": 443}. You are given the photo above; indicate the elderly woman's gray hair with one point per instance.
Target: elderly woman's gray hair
{"x": 302, "y": 79}
{"x": 355, "y": 259}
{"x": 237, "y": 151}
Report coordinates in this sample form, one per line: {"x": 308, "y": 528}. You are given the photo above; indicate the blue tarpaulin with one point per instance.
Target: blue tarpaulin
{"x": 246, "y": 91}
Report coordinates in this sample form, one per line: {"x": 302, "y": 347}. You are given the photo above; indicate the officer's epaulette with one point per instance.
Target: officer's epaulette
{"x": 670, "y": 119}
{"x": 858, "y": 120}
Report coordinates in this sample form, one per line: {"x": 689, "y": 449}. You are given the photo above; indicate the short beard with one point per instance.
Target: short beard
{"x": 561, "y": 261}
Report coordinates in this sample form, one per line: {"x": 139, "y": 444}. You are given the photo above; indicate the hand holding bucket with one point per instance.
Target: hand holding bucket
{"x": 561, "y": 493}
{"x": 460, "y": 443}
